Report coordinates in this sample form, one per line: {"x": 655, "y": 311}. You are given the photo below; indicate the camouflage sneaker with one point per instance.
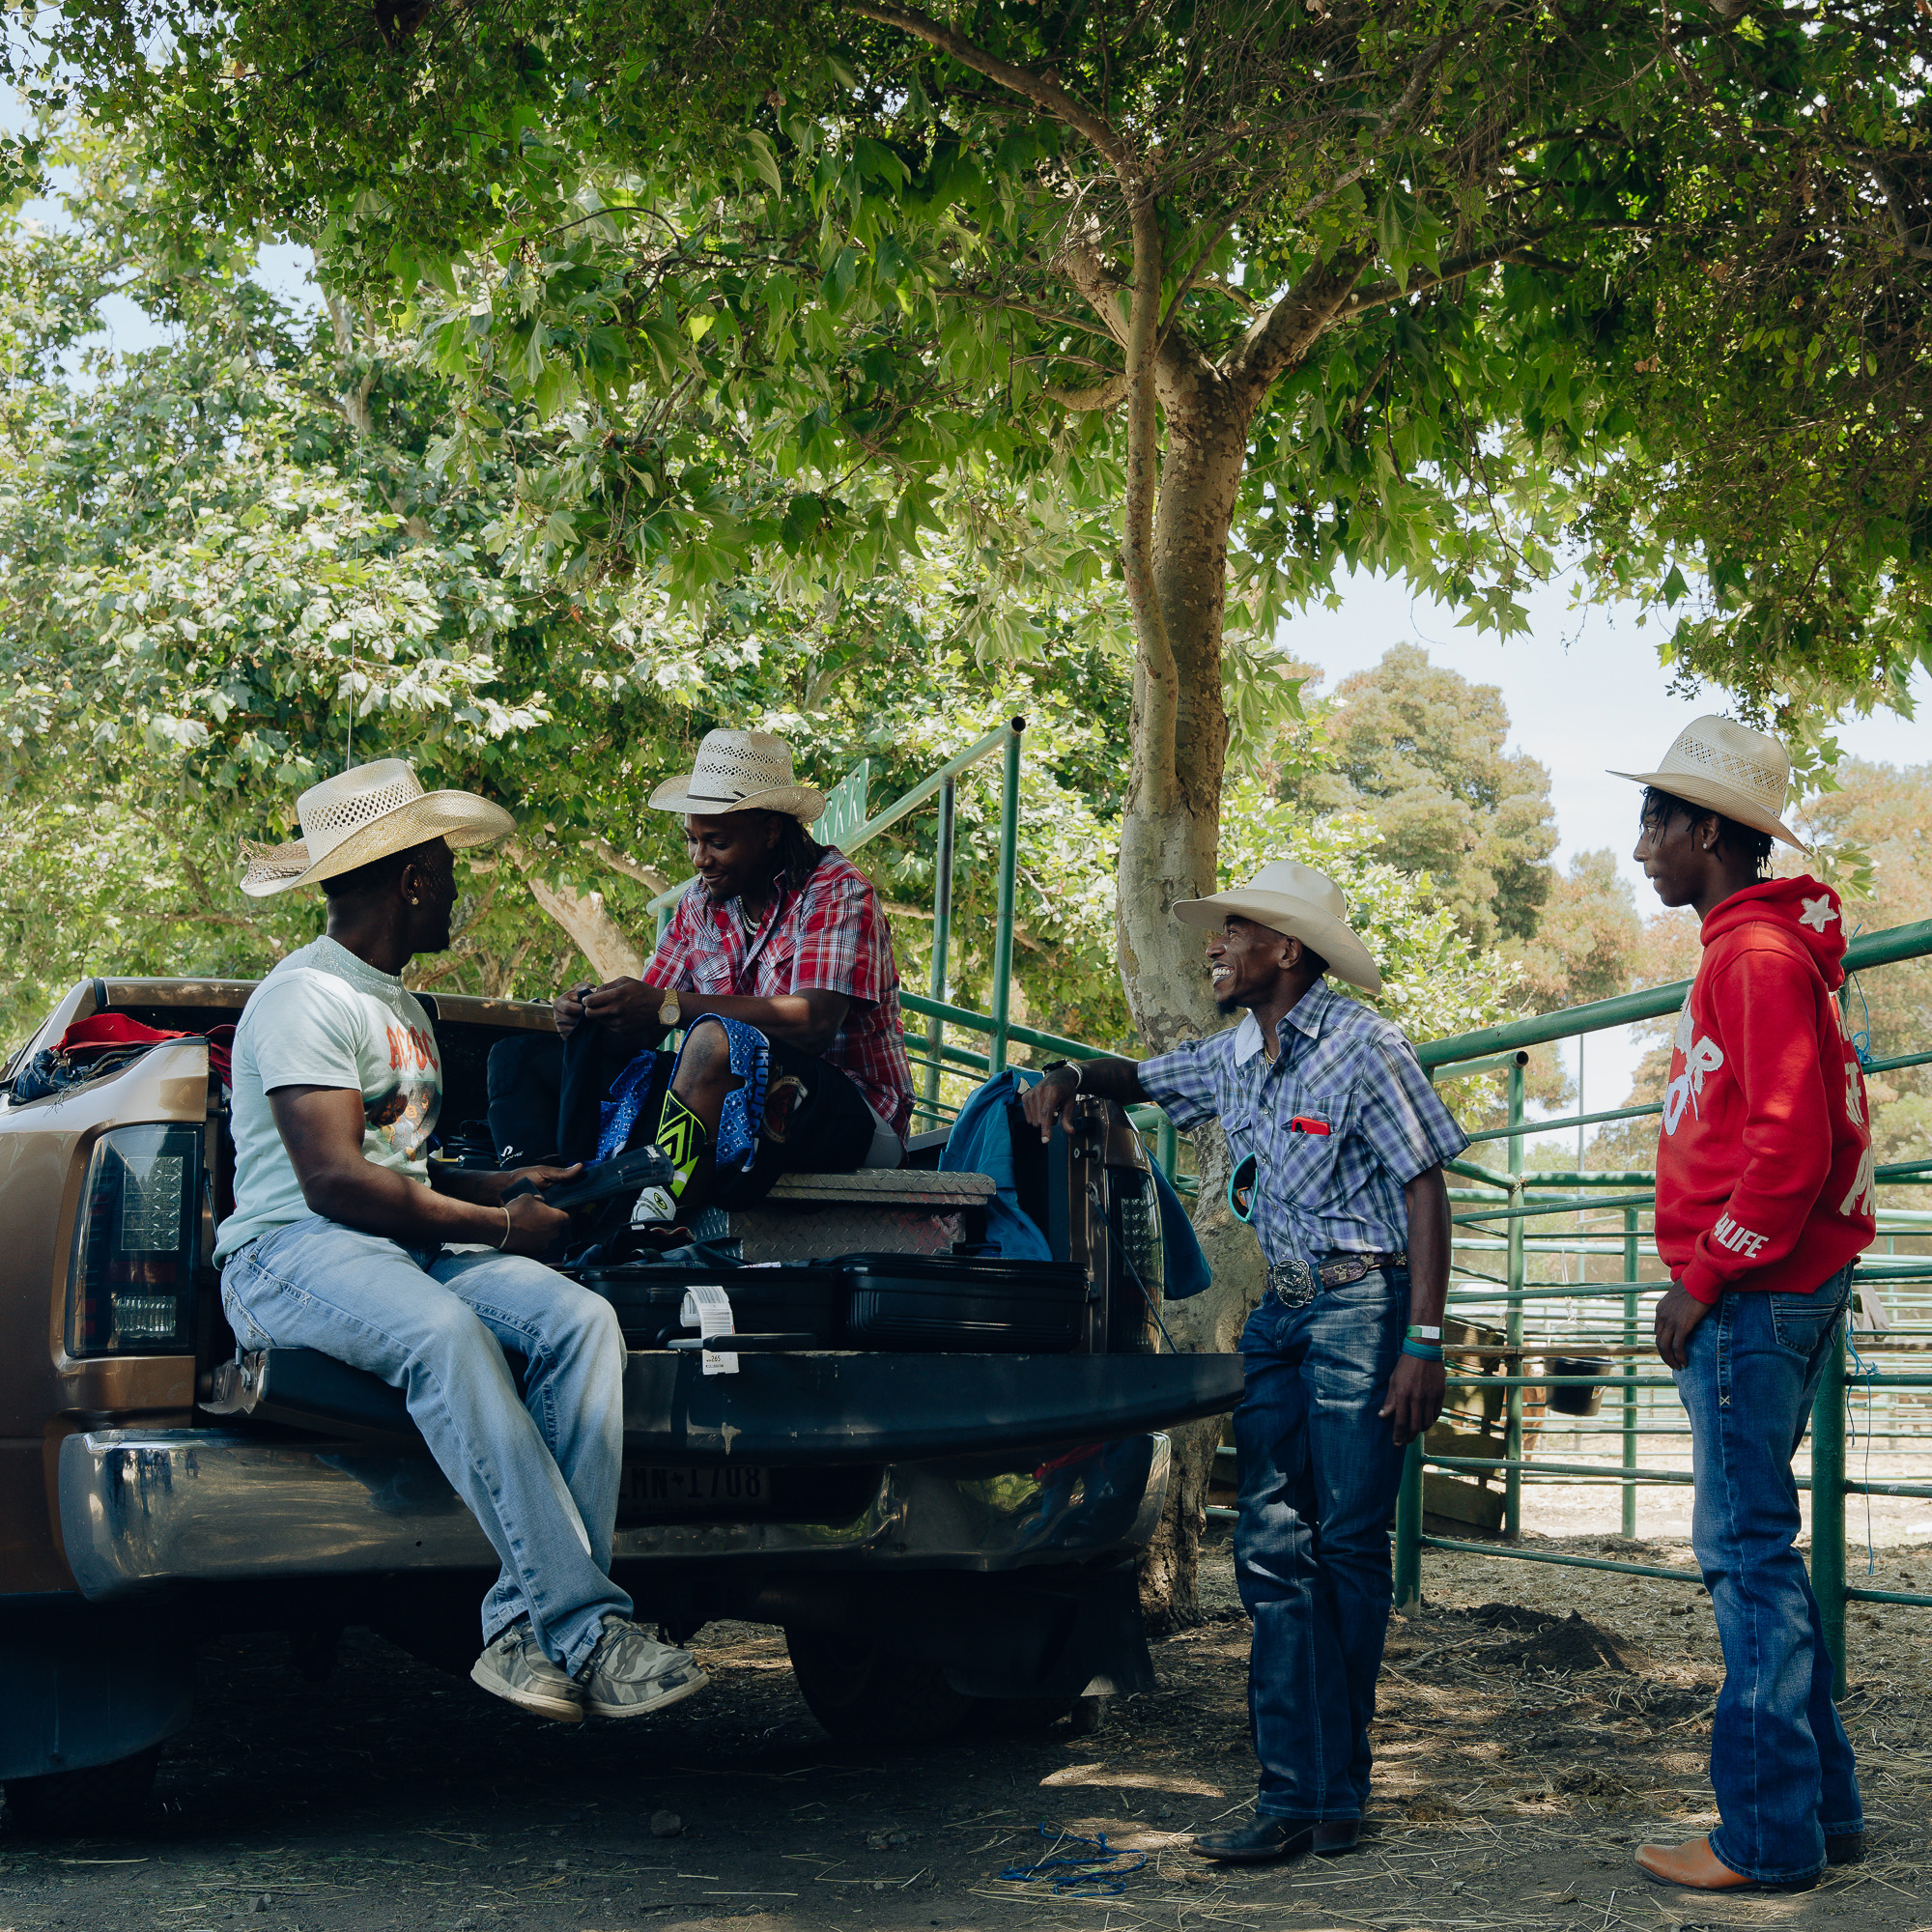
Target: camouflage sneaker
{"x": 629, "y": 1675}
{"x": 516, "y": 1669}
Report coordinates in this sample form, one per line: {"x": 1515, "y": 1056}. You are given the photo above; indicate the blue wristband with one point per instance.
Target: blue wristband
{"x": 1421, "y": 1350}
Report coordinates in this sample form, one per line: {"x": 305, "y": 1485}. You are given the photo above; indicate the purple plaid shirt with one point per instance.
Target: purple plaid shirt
{"x": 1341, "y": 1065}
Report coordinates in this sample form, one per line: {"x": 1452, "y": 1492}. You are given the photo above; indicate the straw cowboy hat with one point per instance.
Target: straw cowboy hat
{"x": 741, "y": 771}
{"x": 368, "y": 812}
{"x": 1729, "y": 769}
{"x": 1301, "y": 903}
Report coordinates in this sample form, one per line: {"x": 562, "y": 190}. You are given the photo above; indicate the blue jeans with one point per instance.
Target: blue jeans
{"x": 1780, "y": 1763}
{"x": 540, "y": 1470}
{"x": 1319, "y": 1470}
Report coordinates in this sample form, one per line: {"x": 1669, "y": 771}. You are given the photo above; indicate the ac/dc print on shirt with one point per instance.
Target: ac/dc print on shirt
{"x": 1764, "y": 1168}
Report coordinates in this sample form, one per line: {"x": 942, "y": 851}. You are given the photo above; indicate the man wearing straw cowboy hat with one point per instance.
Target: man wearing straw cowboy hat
{"x": 1337, "y": 1142}
{"x": 1764, "y": 1200}
{"x": 339, "y": 1243}
{"x": 782, "y": 942}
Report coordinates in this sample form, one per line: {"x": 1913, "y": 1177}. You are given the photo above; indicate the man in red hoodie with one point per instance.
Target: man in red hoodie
{"x": 1765, "y": 1199}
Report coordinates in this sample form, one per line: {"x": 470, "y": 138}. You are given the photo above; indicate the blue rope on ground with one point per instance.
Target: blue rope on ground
{"x": 1098, "y": 1874}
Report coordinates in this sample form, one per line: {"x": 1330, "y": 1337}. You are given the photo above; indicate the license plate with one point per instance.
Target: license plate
{"x": 654, "y": 1486}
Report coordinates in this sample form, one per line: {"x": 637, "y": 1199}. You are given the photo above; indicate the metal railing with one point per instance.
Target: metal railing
{"x": 1517, "y": 1222}
{"x": 1504, "y": 1220}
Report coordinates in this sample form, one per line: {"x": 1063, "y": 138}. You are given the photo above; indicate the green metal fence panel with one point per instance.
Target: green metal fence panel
{"x": 1517, "y": 1229}
{"x": 941, "y": 934}
{"x": 1010, "y": 860}
{"x": 1828, "y": 1507}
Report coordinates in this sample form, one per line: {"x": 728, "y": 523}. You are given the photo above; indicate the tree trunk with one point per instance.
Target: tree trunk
{"x": 584, "y": 916}
{"x": 1168, "y": 840}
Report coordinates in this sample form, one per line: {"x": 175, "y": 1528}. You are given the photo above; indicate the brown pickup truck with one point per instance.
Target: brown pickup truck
{"x": 936, "y": 1516}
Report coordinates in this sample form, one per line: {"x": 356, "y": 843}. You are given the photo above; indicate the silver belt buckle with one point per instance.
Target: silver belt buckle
{"x": 1294, "y": 1283}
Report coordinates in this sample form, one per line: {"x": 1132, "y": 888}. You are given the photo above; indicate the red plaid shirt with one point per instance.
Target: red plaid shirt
{"x": 832, "y": 936}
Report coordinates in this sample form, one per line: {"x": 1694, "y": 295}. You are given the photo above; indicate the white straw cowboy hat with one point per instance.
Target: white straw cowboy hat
{"x": 368, "y": 812}
{"x": 1297, "y": 900}
{"x": 741, "y": 771}
{"x": 1730, "y": 769}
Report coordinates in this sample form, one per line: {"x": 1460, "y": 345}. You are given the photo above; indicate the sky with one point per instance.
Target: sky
{"x": 1583, "y": 687}
{"x": 1584, "y": 692}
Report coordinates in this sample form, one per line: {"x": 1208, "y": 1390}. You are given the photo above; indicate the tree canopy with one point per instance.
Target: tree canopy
{"x": 231, "y": 569}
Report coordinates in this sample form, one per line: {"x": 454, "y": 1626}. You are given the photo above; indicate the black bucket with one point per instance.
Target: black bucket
{"x": 1573, "y": 1397}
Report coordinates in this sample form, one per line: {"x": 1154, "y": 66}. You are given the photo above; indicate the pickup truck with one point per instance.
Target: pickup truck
{"x": 937, "y": 1528}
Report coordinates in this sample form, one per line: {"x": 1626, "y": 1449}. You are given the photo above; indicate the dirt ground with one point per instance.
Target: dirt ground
{"x": 1520, "y": 1757}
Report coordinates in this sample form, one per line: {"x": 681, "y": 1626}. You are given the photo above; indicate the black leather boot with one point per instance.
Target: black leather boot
{"x": 1336, "y": 1836}
{"x": 1260, "y": 1842}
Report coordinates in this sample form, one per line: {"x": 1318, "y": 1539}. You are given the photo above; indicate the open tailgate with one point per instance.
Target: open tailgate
{"x": 822, "y": 1407}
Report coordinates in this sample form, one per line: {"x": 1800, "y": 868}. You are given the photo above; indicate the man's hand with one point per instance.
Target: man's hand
{"x": 1051, "y": 1099}
{"x": 1414, "y": 1396}
{"x": 1678, "y": 1314}
{"x": 487, "y": 1186}
{"x": 568, "y": 1008}
{"x": 536, "y": 1227}
{"x": 625, "y": 1007}
{"x": 540, "y": 1176}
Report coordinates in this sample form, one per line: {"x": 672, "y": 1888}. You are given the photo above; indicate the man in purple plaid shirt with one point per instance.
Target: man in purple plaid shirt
{"x": 1337, "y": 1140}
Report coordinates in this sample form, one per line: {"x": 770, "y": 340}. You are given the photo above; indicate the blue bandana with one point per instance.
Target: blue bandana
{"x": 737, "y": 1136}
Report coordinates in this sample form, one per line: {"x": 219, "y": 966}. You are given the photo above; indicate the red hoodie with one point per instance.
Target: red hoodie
{"x": 1764, "y": 1168}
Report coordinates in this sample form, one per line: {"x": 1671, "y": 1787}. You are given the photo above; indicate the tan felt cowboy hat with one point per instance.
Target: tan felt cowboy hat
{"x": 741, "y": 771}
{"x": 1730, "y": 769}
{"x": 1303, "y": 903}
{"x": 368, "y": 812}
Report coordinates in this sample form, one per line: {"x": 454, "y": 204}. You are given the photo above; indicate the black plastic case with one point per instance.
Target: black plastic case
{"x": 790, "y": 1301}
{"x": 928, "y": 1303}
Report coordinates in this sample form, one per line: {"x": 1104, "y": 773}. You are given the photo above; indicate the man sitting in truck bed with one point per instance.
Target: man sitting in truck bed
{"x": 784, "y": 941}
{"x": 339, "y": 1243}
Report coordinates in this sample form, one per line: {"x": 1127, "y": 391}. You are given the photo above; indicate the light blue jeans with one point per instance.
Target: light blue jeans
{"x": 539, "y": 1471}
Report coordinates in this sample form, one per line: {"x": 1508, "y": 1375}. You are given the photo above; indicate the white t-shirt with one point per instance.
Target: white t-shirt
{"x": 325, "y": 1018}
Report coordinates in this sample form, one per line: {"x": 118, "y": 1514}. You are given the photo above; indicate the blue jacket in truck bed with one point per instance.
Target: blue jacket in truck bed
{"x": 982, "y": 1143}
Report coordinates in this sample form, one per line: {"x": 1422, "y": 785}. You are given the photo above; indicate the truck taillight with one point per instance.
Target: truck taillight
{"x": 131, "y": 1290}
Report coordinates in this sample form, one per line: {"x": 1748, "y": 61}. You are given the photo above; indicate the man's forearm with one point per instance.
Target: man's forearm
{"x": 479, "y": 1186}
{"x": 1427, "y": 1198}
{"x": 376, "y": 1201}
{"x": 792, "y": 1018}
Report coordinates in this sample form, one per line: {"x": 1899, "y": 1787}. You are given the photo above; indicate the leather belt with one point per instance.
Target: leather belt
{"x": 1297, "y": 1283}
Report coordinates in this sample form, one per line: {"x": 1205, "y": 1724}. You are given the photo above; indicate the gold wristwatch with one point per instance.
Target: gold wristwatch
{"x": 668, "y": 1013}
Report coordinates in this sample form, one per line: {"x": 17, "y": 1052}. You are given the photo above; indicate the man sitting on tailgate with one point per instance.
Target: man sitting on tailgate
{"x": 784, "y": 941}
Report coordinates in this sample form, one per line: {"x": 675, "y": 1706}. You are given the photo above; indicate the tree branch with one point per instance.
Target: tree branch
{"x": 583, "y": 915}
{"x": 1100, "y": 287}
{"x": 621, "y": 861}
{"x": 1141, "y": 340}
{"x": 1107, "y": 396}
{"x": 1031, "y": 309}
{"x": 1451, "y": 271}
{"x": 1044, "y": 93}
{"x": 1284, "y": 333}
{"x": 1893, "y": 190}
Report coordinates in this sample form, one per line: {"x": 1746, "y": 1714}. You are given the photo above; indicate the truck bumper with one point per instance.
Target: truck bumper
{"x": 142, "y": 1509}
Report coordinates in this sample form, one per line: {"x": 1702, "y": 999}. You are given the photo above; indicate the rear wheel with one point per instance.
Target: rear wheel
{"x": 102, "y": 1798}
{"x": 863, "y": 1695}
{"x": 1020, "y": 1716}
